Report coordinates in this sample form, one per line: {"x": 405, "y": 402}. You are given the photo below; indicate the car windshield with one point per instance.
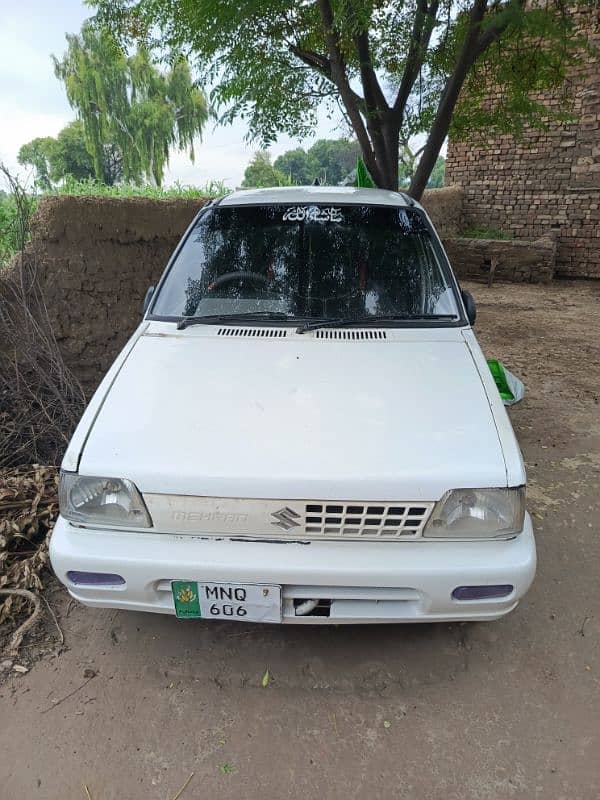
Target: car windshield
{"x": 310, "y": 262}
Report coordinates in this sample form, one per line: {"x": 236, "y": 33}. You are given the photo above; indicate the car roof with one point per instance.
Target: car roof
{"x": 344, "y": 195}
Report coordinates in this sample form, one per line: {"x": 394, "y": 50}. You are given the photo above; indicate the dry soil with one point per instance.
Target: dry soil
{"x": 509, "y": 709}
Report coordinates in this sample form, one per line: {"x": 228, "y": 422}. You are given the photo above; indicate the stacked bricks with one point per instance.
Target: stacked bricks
{"x": 549, "y": 180}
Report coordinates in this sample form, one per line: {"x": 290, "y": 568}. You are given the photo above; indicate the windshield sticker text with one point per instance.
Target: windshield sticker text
{"x": 313, "y": 214}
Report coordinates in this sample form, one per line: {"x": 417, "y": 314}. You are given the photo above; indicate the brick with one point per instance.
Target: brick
{"x": 549, "y": 178}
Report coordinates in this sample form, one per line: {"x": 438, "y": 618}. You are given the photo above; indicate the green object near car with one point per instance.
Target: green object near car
{"x": 510, "y": 387}
{"x": 363, "y": 178}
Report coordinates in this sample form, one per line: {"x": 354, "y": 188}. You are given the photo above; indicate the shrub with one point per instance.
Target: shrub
{"x": 93, "y": 188}
{"x": 486, "y": 233}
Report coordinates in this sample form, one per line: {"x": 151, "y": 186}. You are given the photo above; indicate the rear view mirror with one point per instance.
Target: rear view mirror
{"x": 147, "y": 299}
{"x": 470, "y": 306}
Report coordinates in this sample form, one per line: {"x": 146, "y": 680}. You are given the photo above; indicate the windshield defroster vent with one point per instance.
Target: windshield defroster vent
{"x": 253, "y": 333}
{"x": 350, "y": 334}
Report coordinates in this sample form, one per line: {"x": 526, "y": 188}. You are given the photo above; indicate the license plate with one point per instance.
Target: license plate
{"x": 244, "y": 602}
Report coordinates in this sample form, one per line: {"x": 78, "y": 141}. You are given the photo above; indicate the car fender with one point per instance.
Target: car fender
{"x": 72, "y": 457}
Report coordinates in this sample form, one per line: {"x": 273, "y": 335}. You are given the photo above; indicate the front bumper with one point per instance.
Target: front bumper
{"x": 366, "y": 582}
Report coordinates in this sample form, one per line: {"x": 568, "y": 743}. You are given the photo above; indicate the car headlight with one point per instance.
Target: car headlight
{"x": 478, "y": 514}
{"x": 102, "y": 501}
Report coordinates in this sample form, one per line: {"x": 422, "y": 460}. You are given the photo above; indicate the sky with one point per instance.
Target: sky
{"x": 33, "y": 102}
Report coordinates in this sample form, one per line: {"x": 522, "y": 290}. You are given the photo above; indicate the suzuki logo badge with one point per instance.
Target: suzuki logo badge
{"x": 286, "y": 518}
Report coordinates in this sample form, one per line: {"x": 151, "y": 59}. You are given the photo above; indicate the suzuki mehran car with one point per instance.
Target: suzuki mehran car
{"x": 303, "y": 429}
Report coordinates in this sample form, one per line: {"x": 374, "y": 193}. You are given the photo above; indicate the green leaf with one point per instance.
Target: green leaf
{"x": 270, "y": 64}
{"x": 363, "y": 179}
{"x": 133, "y": 114}
{"x": 265, "y": 679}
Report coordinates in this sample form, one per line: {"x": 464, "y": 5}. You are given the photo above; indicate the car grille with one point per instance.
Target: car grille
{"x": 288, "y": 519}
{"x": 366, "y": 520}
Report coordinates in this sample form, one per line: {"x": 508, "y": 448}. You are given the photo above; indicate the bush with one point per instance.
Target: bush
{"x": 17, "y": 206}
{"x": 486, "y": 233}
{"x": 93, "y": 188}
{"x": 11, "y": 226}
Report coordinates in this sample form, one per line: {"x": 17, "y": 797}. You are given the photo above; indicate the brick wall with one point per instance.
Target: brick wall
{"x": 548, "y": 181}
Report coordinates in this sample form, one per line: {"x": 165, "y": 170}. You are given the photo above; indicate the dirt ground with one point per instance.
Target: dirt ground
{"x": 507, "y": 709}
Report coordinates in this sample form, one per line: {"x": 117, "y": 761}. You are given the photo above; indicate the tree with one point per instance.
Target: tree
{"x": 436, "y": 181}
{"x": 329, "y": 160}
{"x": 407, "y": 166}
{"x": 336, "y": 158}
{"x": 297, "y": 166}
{"x": 55, "y": 159}
{"x": 396, "y": 67}
{"x": 36, "y": 154}
{"x": 69, "y": 155}
{"x": 260, "y": 173}
{"x": 130, "y": 110}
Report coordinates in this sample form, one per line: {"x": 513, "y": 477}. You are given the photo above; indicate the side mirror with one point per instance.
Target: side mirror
{"x": 470, "y": 306}
{"x": 147, "y": 299}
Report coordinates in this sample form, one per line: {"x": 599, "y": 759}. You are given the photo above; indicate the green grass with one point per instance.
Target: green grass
{"x": 93, "y": 188}
{"x": 486, "y": 233}
{"x": 10, "y": 227}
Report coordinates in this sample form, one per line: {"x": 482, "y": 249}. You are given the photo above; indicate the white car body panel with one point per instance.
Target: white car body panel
{"x": 515, "y": 468}
{"x": 377, "y": 582}
{"x": 224, "y": 434}
{"x": 197, "y": 414}
{"x": 305, "y": 195}
{"x": 70, "y": 462}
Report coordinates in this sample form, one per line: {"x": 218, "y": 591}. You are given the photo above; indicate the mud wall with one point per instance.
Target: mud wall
{"x": 516, "y": 261}
{"x": 96, "y": 257}
{"x": 445, "y": 207}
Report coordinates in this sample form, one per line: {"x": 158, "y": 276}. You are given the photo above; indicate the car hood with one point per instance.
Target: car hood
{"x": 297, "y": 416}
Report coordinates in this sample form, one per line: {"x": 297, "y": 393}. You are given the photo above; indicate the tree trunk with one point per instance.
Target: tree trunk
{"x": 385, "y": 143}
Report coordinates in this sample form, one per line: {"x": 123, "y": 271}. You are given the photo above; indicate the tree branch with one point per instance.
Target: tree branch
{"x": 322, "y": 65}
{"x": 469, "y": 52}
{"x": 374, "y": 97}
{"x": 493, "y": 32}
{"x": 420, "y": 37}
{"x": 349, "y": 98}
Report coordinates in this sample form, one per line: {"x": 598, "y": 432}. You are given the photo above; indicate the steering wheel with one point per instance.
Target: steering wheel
{"x": 242, "y": 276}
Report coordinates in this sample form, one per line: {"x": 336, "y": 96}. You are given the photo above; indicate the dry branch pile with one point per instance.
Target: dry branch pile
{"x": 28, "y": 510}
{"x": 40, "y": 400}
{"x": 40, "y": 404}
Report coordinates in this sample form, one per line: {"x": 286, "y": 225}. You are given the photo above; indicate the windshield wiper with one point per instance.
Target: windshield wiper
{"x": 253, "y": 316}
{"x": 348, "y": 322}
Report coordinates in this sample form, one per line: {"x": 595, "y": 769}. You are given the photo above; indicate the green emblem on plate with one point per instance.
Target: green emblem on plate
{"x": 185, "y": 596}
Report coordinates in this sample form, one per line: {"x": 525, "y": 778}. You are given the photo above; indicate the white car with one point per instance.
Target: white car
{"x": 303, "y": 429}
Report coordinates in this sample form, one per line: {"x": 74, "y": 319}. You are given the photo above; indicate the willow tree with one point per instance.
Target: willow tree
{"x": 396, "y": 68}
{"x": 126, "y": 102}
